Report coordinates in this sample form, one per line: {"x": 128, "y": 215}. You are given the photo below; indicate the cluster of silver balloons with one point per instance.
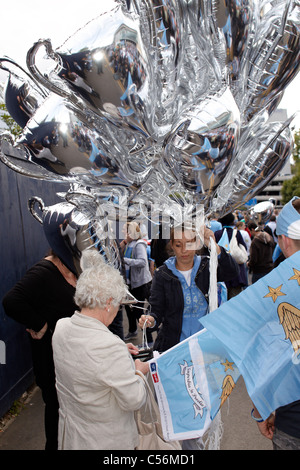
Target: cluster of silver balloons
{"x": 158, "y": 102}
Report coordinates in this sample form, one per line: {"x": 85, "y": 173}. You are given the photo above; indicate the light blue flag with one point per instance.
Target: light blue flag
{"x": 260, "y": 328}
{"x": 224, "y": 241}
{"x": 192, "y": 380}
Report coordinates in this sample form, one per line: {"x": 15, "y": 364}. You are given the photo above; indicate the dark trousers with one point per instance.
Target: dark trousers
{"x": 43, "y": 367}
{"x": 51, "y": 417}
{"x": 233, "y": 291}
{"x": 257, "y": 276}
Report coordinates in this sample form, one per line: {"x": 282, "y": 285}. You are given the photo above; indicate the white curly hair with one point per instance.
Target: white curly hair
{"x": 98, "y": 282}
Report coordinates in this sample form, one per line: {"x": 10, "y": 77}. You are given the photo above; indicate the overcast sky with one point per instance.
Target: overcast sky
{"x": 23, "y": 22}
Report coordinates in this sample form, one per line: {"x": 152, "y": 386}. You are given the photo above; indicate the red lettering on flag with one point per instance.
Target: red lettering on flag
{"x": 155, "y": 378}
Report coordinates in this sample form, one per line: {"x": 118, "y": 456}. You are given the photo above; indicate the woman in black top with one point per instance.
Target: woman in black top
{"x": 43, "y": 296}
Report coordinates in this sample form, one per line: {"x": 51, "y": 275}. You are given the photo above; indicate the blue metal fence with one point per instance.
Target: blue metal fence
{"x": 22, "y": 243}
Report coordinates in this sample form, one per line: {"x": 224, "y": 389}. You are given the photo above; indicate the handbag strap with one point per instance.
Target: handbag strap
{"x": 235, "y": 233}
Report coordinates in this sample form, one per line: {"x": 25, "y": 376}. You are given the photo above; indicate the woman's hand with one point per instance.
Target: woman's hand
{"x": 141, "y": 366}
{"x": 123, "y": 244}
{"x": 134, "y": 350}
{"x": 37, "y": 334}
{"x": 208, "y": 234}
{"x": 148, "y": 319}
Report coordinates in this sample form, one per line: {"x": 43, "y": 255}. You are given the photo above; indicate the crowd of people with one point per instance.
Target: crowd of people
{"x": 90, "y": 378}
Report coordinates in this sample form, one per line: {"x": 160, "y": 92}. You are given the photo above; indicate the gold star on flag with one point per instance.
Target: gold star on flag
{"x": 274, "y": 292}
{"x": 227, "y": 365}
{"x": 296, "y": 276}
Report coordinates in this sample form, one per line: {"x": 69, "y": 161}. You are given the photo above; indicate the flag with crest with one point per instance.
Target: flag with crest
{"x": 260, "y": 330}
{"x": 192, "y": 381}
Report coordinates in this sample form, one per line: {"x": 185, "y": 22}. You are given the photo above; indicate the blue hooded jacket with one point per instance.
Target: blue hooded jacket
{"x": 195, "y": 303}
{"x": 167, "y": 298}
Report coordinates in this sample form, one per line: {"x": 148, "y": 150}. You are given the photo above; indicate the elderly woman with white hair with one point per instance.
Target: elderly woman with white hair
{"x": 96, "y": 380}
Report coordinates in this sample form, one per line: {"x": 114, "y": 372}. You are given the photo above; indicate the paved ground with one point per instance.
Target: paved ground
{"x": 240, "y": 432}
{"x": 25, "y": 432}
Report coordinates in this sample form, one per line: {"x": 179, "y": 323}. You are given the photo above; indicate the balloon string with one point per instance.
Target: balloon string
{"x": 145, "y": 342}
{"x": 213, "y": 286}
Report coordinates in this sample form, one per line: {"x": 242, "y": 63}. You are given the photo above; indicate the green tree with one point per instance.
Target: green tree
{"x": 11, "y": 124}
{"x": 291, "y": 187}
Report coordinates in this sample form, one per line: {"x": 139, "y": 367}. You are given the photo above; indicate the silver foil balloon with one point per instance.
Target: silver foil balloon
{"x": 22, "y": 94}
{"x": 262, "y": 158}
{"x": 274, "y": 59}
{"x": 104, "y": 67}
{"x": 60, "y": 139}
{"x": 261, "y": 212}
{"x": 70, "y": 231}
{"x": 222, "y": 31}
{"x": 164, "y": 29}
{"x": 200, "y": 150}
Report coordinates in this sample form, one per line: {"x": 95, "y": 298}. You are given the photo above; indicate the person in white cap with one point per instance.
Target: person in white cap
{"x": 288, "y": 227}
{"x": 284, "y": 427}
